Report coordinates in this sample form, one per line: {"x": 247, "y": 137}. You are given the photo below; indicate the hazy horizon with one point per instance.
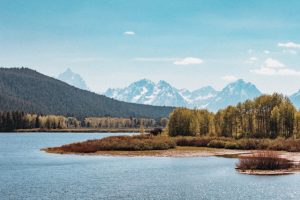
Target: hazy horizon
{"x": 180, "y": 88}
{"x": 189, "y": 44}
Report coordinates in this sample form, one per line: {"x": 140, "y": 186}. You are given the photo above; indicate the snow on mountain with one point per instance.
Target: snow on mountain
{"x": 163, "y": 94}
{"x": 72, "y": 79}
{"x": 147, "y": 92}
{"x": 238, "y": 91}
{"x": 199, "y": 98}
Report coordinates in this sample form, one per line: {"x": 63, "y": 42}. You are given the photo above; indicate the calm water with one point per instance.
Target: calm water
{"x": 28, "y": 173}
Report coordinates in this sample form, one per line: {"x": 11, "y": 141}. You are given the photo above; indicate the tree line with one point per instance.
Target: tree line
{"x": 112, "y": 122}
{"x": 10, "y": 121}
{"x": 267, "y": 116}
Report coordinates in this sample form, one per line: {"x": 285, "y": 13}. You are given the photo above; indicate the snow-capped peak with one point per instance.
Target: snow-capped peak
{"x": 234, "y": 93}
{"x": 163, "y": 94}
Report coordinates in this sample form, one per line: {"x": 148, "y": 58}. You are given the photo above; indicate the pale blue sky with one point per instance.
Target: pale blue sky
{"x": 190, "y": 43}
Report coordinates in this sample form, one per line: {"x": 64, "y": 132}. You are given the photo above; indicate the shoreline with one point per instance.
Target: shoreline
{"x": 270, "y": 172}
{"x": 79, "y": 130}
{"x": 181, "y": 152}
{"x": 178, "y": 152}
{"x": 190, "y": 152}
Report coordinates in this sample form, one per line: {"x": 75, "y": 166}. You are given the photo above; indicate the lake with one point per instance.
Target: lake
{"x": 28, "y": 173}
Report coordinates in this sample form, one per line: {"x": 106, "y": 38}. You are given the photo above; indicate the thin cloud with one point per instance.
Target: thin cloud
{"x": 279, "y": 72}
{"x": 290, "y": 45}
{"x": 290, "y": 51}
{"x": 251, "y": 60}
{"x": 155, "y": 59}
{"x": 229, "y": 78}
{"x": 272, "y": 67}
{"x": 272, "y": 63}
{"x": 189, "y": 61}
{"x": 129, "y": 33}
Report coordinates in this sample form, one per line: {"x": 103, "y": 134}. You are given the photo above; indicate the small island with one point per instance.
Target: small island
{"x": 249, "y": 130}
{"x": 267, "y": 163}
{"x": 255, "y": 162}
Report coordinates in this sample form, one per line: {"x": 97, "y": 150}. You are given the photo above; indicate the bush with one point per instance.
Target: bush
{"x": 149, "y": 142}
{"x": 118, "y": 143}
{"x": 266, "y": 160}
{"x": 193, "y": 141}
{"x": 248, "y": 144}
{"x": 281, "y": 144}
{"x": 232, "y": 145}
{"x": 217, "y": 144}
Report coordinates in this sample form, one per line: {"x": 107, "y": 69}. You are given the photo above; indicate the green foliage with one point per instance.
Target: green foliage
{"x": 112, "y": 122}
{"x": 268, "y": 116}
{"x": 11, "y": 120}
{"x": 187, "y": 122}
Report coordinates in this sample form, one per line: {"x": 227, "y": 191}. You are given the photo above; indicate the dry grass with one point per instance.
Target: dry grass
{"x": 264, "y": 160}
{"x": 148, "y": 143}
{"x": 279, "y": 144}
{"x": 118, "y": 143}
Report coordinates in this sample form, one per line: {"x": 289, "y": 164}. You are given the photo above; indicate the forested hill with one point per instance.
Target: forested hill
{"x": 27, "y": 90}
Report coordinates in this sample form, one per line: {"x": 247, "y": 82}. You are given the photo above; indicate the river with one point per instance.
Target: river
{"x": 28, "y": 173}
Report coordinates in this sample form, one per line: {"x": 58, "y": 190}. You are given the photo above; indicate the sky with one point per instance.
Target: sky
{"x": 190, "y": 43}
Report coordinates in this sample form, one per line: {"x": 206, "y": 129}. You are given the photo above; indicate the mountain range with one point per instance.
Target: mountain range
{"x": 27, "y": 90}
{"x": 162, "y": 93}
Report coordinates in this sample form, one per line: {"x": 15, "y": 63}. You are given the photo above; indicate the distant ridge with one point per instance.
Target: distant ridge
{"x": 162, "y": 93}
{"x": 27, "y": 90}
{"x": 234, "y": 93}
{"x": 73, "y": 79}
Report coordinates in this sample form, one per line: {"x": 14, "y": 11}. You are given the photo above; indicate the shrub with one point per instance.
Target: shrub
{"x": 193, "y": 141}
{"x": 265, "y": 160}
{"x": 217, "y": 144}
{"x": 281, "y": 144}
{"x": 263, "y": 144}
{"x": 119, "y": 143}
{"x": 248, "y": 144}
{"x": 232, "y": 145}
{"x": 184, "y": 141}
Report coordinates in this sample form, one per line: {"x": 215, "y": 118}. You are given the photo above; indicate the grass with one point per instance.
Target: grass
{"x": 118, "y": 143}
{"x": 150, "y": 143}
{"x": 279, "y": 144}
{"x": 264, "y": 160}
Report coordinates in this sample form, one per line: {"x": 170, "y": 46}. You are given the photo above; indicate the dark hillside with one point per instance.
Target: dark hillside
{"x": 27, "y": 90}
